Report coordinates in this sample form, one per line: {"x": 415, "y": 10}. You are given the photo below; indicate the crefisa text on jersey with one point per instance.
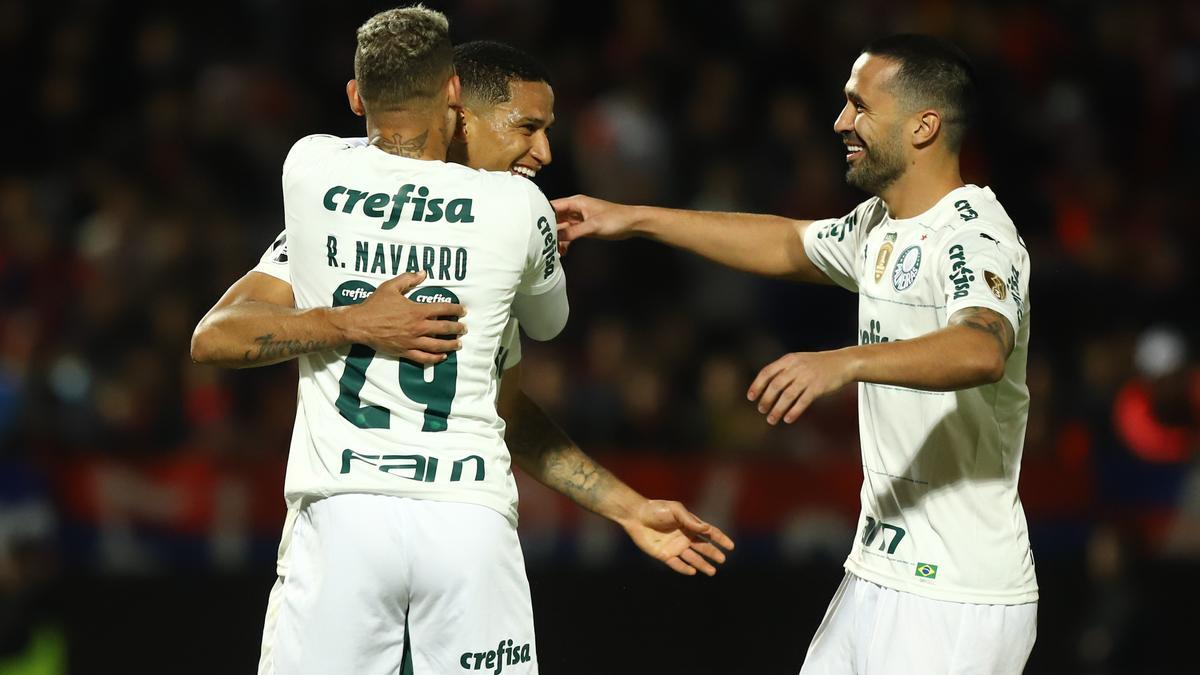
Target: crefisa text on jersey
{"x": 440, "y": 263}
{"x": 424, "y": 209}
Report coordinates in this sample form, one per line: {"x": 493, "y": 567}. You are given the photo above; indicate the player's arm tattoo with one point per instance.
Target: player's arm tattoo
{"x": 268, "y": 348}
{"x": 395, "y": 145}
{"x": 549, "y": 455}
{"x": 988, "y": 321}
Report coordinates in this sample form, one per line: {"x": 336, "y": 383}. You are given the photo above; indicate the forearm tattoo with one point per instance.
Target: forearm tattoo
{"x": 269, "y": 348}
{"x": 987, "y": 321}
{"x": 396, "y": 145}
{"x": 555, "y": 460}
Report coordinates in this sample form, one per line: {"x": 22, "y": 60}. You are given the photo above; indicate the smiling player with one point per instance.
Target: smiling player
{"x": 508, "y": 106}
{"x": 940, "y": 578}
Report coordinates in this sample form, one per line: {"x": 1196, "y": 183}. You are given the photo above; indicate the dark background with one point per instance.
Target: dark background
{"x": 141, "y": 496}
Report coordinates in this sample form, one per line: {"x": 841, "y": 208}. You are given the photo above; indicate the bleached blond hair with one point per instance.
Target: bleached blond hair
{"x": 404, "y": 55}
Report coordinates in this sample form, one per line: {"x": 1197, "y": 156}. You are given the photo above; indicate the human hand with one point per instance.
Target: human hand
{"x": 667, "y": 531}
{"x": 785, "y": 388}
{"x": 582, "y": 216}
{"x": 391, "y": 324}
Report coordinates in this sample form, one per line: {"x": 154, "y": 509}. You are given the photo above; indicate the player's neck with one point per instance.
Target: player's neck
{"x": 922, "y": 187}
{"x": 408, "y": 134}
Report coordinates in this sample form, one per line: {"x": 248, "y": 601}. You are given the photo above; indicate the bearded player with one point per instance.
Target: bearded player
{"x": 940, "y": 578}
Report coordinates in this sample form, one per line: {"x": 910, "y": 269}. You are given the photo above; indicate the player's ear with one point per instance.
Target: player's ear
{"x": 925, "y": 128}
{"x": 454, "y": 91}
{"x": 460, "y": 128}
{"x": 356, "y": 103}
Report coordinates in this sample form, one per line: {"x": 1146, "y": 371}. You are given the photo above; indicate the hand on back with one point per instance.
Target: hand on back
{"x": 391, "y": 324}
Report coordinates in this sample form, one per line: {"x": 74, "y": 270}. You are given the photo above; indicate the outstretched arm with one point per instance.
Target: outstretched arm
{"x": 664, "y": 530}
{"x": 770, "y": 246}
{"x": 256, "y": 323}
{"x": 969, "y": 352}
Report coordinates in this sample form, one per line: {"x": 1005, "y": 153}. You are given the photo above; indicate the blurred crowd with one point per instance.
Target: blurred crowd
{"x": 142, "y": 179}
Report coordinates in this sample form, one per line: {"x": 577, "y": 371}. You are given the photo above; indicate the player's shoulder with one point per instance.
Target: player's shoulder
{"x": 971, "y": 208}
{"x": 866, "y": 215}
{"x": 316, "y": 149}
{"x": 508, "y": 182}
{"x": 319, "y": 143}
{"x": 519, "y": 190}
{"x": 871, "y": 212}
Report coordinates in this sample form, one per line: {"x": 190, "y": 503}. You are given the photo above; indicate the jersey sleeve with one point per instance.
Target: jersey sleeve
{"x": 543, "y": 269}
{"x": 981, "y": 266}
{"x": 510, "y": 345}
{"x": 274, "y": 260}
{"x": 834, "y": 246}
{"x": 312, "y": 151}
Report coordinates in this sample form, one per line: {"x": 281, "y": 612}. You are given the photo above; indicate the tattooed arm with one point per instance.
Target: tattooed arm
{"x": 969, "y": 352}
{"x": 664, "y": 530}
{"x": 256, "y": 324}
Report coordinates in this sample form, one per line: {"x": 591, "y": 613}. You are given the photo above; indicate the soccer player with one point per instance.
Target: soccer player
{"x": 509, "y": 106}
{"x": 940, "y": 578}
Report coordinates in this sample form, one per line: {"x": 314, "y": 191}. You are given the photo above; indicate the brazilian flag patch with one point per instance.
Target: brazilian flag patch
{"x": 926, "y": 571}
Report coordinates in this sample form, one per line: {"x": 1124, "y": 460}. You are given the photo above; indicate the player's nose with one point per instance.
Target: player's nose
{"x": 844, "y": 122}
{"x": 541, "y": 148}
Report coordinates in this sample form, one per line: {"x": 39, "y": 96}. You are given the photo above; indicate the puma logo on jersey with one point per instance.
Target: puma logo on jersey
{"x": 420, "y": 207}
{"x": 505, "y": 654}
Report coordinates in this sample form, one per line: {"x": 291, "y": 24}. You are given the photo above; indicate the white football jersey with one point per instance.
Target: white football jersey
{"x": 274, "y": 261}
{"x": 356, "y": 217}
{"x": 940, "y": 513}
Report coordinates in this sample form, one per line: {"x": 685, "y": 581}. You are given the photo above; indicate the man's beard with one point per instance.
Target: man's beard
{"x": 878, "y": 168}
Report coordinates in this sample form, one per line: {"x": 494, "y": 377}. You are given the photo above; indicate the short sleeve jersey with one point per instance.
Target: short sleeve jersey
{"x": 356, "y": 217}
{"x": 941, "y": 517}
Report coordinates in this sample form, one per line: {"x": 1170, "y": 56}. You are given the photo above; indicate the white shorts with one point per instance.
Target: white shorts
{"x": 372, "y": 584}
{"x": 870, "y": 629}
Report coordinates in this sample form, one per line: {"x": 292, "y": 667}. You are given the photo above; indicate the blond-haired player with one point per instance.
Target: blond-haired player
{"x": 508, "y": 105}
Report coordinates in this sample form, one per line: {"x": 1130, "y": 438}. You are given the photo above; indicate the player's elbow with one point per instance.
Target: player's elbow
{"x": 204, "y": 344}
{"x": 201, "y": 350}
{"x": 988, "y": 367}
{"x": 545, "y": 328}
{"x": 543, "y": 316}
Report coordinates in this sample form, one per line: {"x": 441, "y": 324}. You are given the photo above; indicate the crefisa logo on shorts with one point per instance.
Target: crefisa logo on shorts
{"x": 505, "y": 654}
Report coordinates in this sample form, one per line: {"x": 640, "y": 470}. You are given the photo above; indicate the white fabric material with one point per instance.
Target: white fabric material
{"x": 872, "y": 630}
{"x": 359, "y": 566}
{"x": 510, "y": 346}
{"x": 274, "y": 261}
{"x": 543, "y": 316}
{"x": 356, "y": 217}
{"x": 940, "y": 513}
{"x": 265, "y": 658}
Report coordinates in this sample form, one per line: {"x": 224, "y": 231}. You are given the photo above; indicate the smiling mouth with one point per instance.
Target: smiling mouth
{"x": 854, "y": 152}
{"x": 524, "y": 171}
